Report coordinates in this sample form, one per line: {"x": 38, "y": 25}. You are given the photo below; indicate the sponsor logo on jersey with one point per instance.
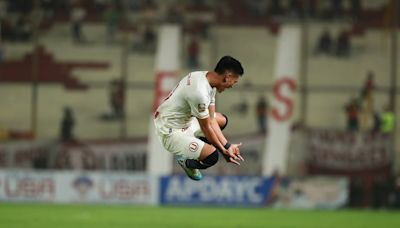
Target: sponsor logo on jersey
{"x": 201, "y": 107}
{"x": 193, "y": 146}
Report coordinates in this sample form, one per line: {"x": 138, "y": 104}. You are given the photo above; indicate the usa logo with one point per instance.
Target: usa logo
{"x": 193, "y": 146}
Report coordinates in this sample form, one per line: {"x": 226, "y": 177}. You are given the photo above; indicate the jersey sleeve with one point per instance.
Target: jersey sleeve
{"x": 198, "y": 105}
{"x": 212, "y": 101}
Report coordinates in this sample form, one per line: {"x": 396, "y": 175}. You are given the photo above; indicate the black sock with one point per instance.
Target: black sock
{"x": 209, "y": 161}
{"x": 195, "y": 164}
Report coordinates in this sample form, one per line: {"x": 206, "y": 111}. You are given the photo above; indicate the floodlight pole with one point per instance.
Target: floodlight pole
{"x": 393, "y": 77}
{"x": 303, "y": 77}
{"x": 35, "y": 68}
{"x": 124, "y": 72}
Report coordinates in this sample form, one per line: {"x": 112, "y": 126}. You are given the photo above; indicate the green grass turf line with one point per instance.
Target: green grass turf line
{"x": 114, "y": 216}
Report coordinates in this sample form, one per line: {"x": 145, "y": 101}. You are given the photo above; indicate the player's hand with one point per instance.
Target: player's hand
{"x": 232, "y": 154}
{"x": 236, "y": 151}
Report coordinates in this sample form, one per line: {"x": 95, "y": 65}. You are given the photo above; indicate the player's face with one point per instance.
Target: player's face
{"x": 229, "y": 80}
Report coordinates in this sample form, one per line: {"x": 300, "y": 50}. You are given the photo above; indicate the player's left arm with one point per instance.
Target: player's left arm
{"x": 234, "y": 148}
{"x": 215, "y": 126}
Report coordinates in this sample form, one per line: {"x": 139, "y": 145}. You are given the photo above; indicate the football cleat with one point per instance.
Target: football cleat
{"x": 193, "y": 174}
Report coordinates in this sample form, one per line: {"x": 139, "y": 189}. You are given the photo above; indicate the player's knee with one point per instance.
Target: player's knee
{"x": 224, "y": 122}
{"x": 211, "y": 159}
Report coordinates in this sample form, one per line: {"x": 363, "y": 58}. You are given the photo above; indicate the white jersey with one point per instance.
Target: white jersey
{"x": 190, "y": 98}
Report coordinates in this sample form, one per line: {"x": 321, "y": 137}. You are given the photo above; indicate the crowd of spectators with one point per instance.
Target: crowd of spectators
{"x": 319, "y": 9}
{"x": 327, "y": 45}
{"x": 361, "y": 113}
{"x": 110, "y": 12}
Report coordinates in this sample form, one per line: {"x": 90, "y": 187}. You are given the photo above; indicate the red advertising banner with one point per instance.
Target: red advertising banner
{"x": 348, "y": 151}
{"x": 78, "y": 155}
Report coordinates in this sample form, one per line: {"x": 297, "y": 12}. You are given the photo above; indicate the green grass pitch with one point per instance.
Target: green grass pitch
{"x": 113, "y": 216}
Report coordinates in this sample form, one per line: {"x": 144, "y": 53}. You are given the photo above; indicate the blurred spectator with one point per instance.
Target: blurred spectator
{"x": 367, "y": 100}
{"x": 101, "y": 5}
{"x": 198, "y": 3}
{"x": 134, "y": 5}
{"x": 175, "y": 14}
{"x": 193, "y": 52}
{"x": 117, "y": 99}
{"x": 376, "y": 122}
{"x": 144, "y": 39}
{"x": 40, "y": 161}
{"x": 205, "y": 29}
{"x": 202, "y": 27}
{"x": 262, "y": 114}
{"x": 324, "y": 44}
{"x": 275, "y": 7}
{"x": 242, "y": 107}
{"x": 295, "y": 8}
{"x": 311, "y": 7}
{"x": 2, "y": 50}
{"x": 352, "y": 109}
{"x": 257, "y": 8}
{"x": 7, "y": 30}
{"x": 369, "y": 85}
{"x": 48, "y": 7}
{"x": 149, "y": 39}
{"x": 334, "y": 9}
{"x": 149, "y": 12}
{"x": 77, "y": 16}
{"x": 337, "y": 8}
{"x": 225, "y": 10}
{"x": 3, "y": 9}
{"x": 23, "y": 29}
{"x": 355, "y": 8}
{"x": 20, "y": 6}
{"x": 67, "y": 125}
{"x": 111, "y": 18}
{"x": 343, "y": 47}
{"x": 387, "y": 120}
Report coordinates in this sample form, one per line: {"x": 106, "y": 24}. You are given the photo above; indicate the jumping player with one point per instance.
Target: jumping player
{"x": 188, "y": 125}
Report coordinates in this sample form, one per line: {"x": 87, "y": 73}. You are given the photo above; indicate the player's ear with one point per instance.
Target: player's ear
{"x": 226, "y": 75}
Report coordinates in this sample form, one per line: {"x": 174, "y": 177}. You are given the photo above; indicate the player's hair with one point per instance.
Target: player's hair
{"x": 229, "y": 63}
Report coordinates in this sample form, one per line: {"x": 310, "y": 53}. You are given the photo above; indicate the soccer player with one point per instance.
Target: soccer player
{"x": 188, "y": 114}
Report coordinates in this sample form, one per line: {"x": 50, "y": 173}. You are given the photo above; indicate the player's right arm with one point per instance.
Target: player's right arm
{"x": 211, "y": 136}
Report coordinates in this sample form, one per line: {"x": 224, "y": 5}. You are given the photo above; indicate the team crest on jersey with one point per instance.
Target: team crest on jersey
{"x": 193, "y": 146}
{"x": 201, "y": 107}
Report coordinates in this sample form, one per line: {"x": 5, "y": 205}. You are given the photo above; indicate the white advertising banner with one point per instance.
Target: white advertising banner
{"x": 285, "y": 79}
{"x": 317, "y": 192}
{"x": 78, "y": 187}
{"x": 167, "y": 66}
{"x": 27, "y": 186}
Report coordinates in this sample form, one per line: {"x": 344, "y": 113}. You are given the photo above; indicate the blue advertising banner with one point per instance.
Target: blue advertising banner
{"x": 215, "y": 190}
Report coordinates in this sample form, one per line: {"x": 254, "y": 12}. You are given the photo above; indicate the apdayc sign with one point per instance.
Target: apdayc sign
{"x": 215, "y": 190}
